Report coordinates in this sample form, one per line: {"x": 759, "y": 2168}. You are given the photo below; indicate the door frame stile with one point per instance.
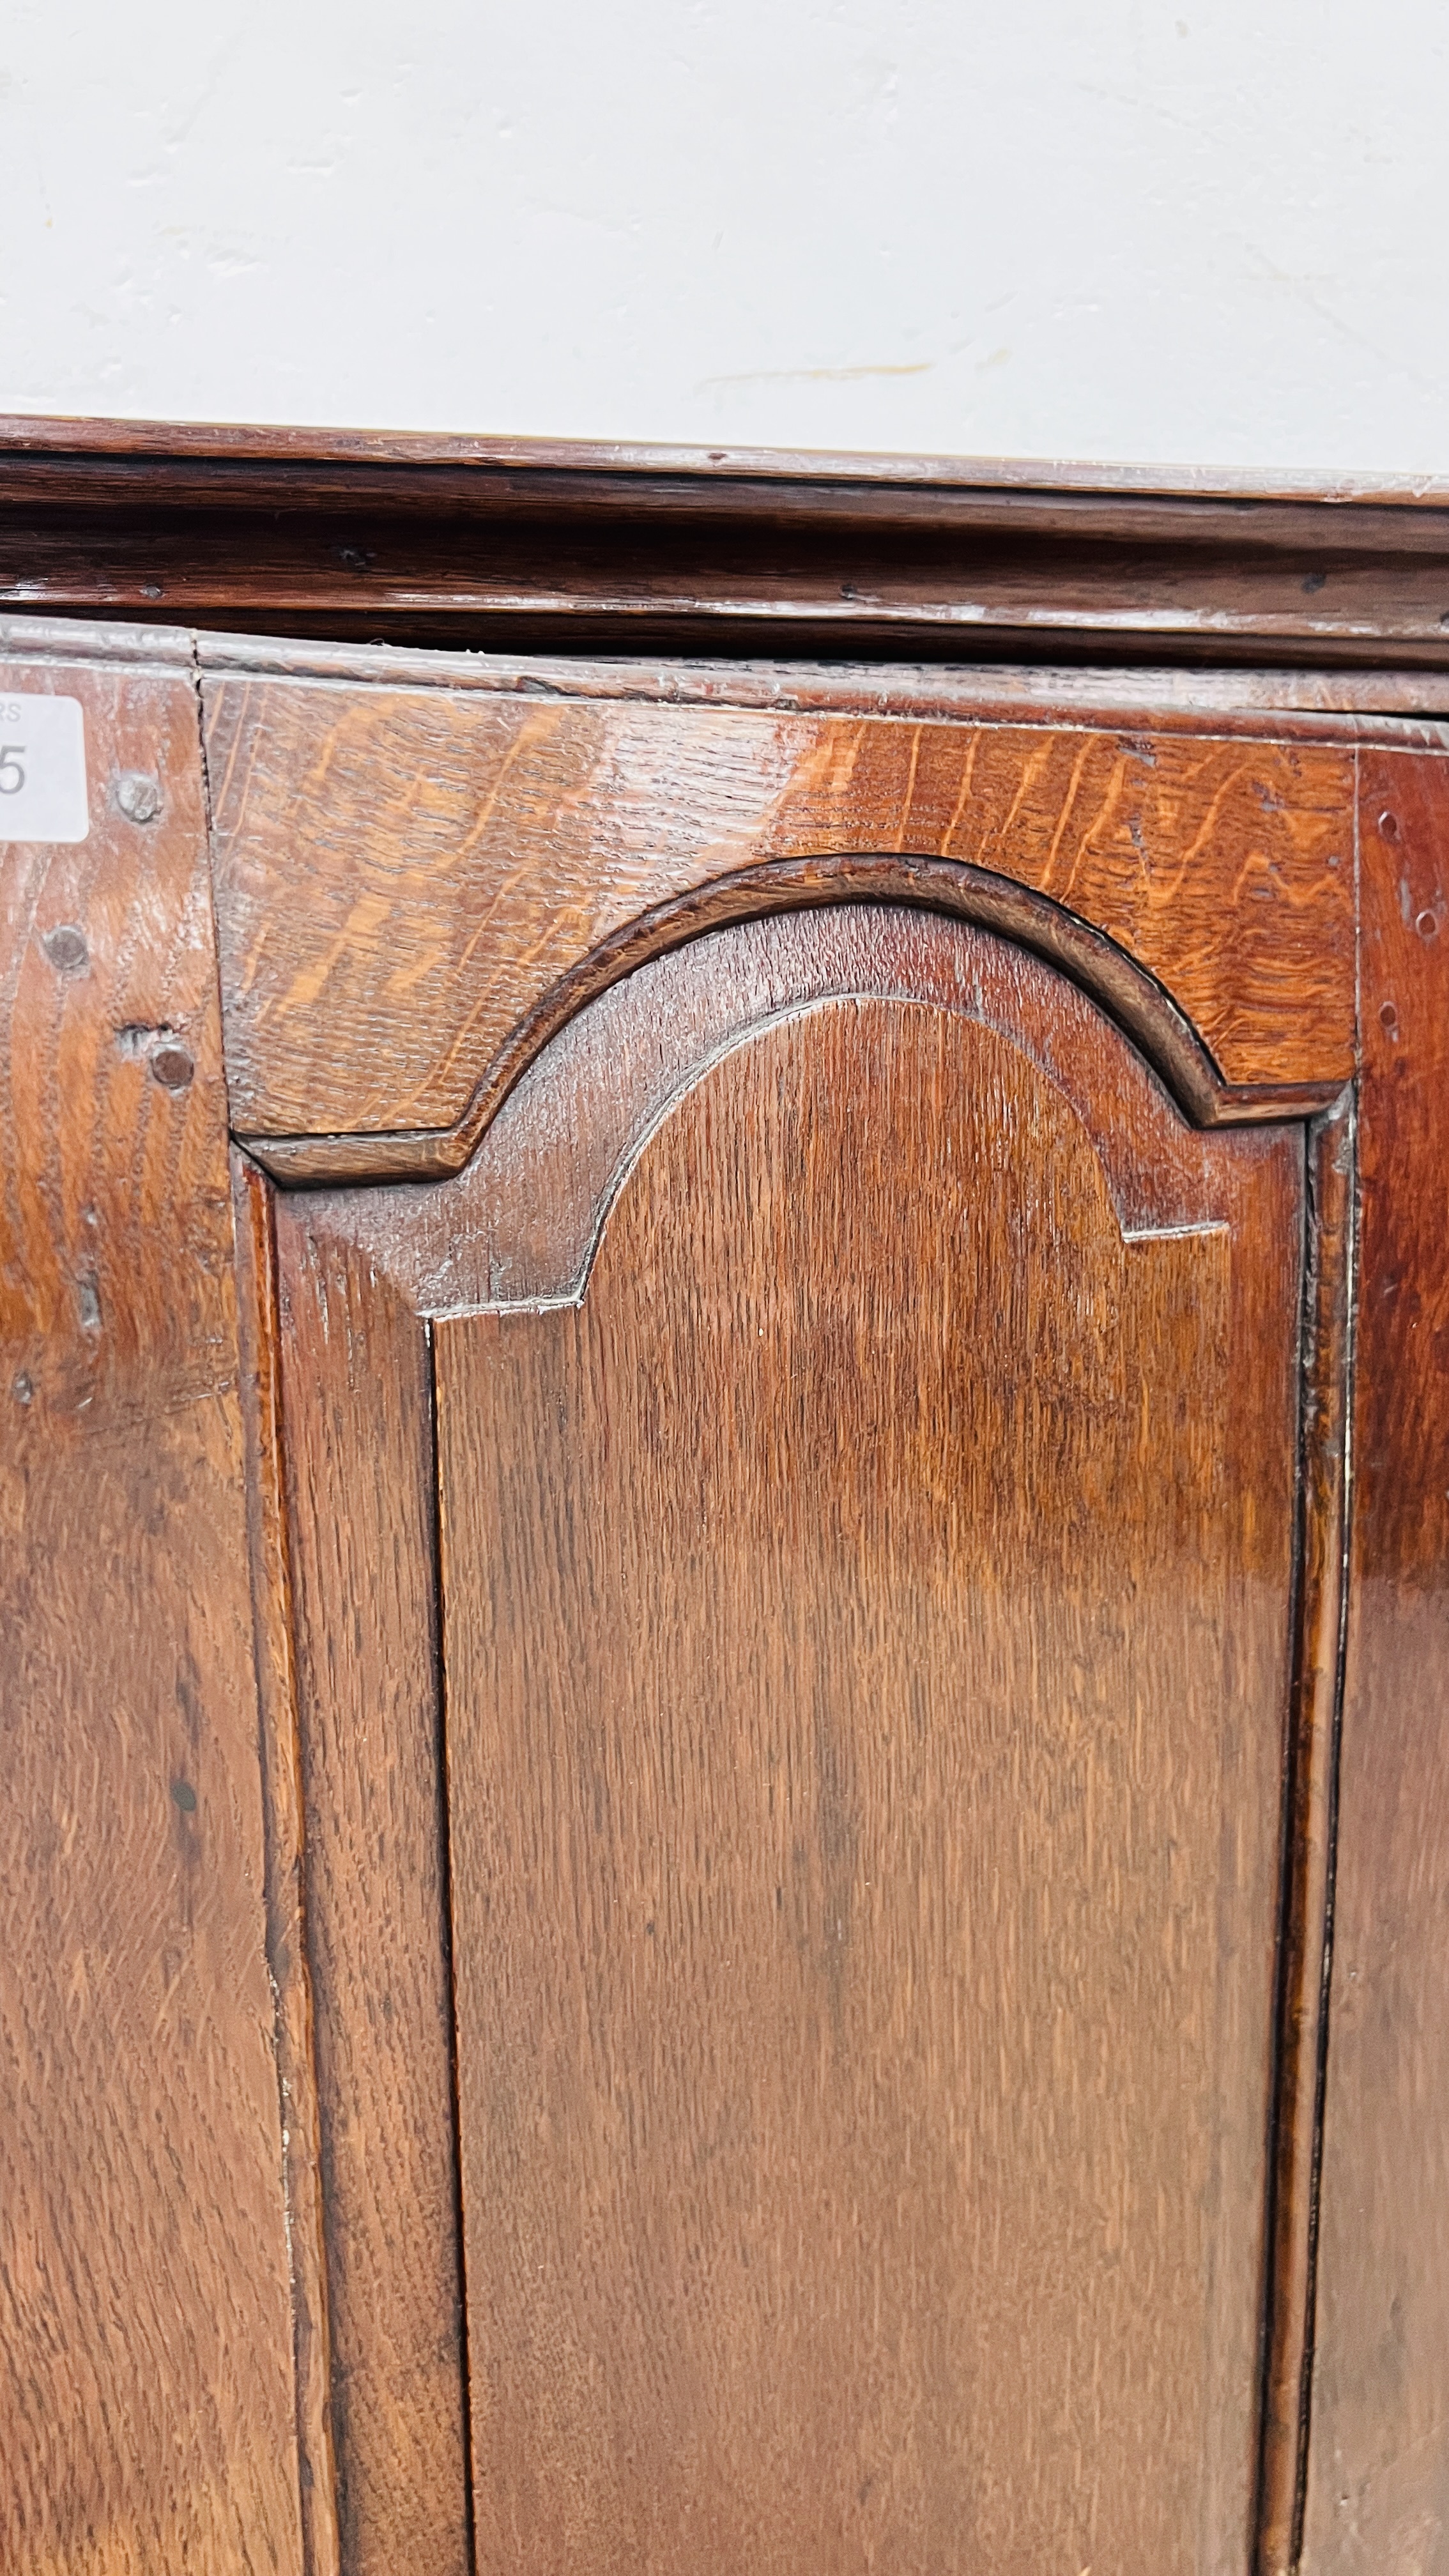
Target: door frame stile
{"x": 1310, "y": 1818}
{"x": 285, "y": 1848}
{"x": 450, "y": 1935}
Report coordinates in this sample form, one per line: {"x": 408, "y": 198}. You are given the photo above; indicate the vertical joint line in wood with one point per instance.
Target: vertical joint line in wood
{"x": 1310, "y": 1829}
{"x": 445, "y": 1860}
{"x": 208, "y": 822}
{"x": 284, "y": 1862}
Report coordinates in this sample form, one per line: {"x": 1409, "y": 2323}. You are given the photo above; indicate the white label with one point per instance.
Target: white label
{"x": 42, "y": 770}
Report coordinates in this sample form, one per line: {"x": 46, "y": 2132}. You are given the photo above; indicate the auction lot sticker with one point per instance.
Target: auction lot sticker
{"x": 42, "y": 770}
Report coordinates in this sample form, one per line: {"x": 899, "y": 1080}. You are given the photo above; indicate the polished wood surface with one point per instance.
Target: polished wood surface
{"x": 517, "y": 1225}
{"x": 1311, "y": 1804}
{"x": 863, "y": 2021}
{"x": 361, "y": 1499}
{"x": 546, "y": 545}
{"x": 408, "y": 881}
{"x": 284, "y": 1816}
{"x": 264, "y": 2240}
{"x": 1379, "y": 2482}
{"x": 520, "y": 1226}
{"x": 146, "y": 2414}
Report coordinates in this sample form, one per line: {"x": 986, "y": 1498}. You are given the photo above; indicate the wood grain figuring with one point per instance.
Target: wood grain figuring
{"x": 403, "y": 877}
{"x": 865, "y": 1920}
{"x": 146, "y": 2385}
{"x": 521, "y": 1223}
{"x": 1379, "y": 2454}
{"x": 1137, "y": 1004}
{"x": 283, "y": 1812}
{"x": 1311, "y": 1815}
{"x": 358, "y": 1421}
{"x": 790, "y": 1560}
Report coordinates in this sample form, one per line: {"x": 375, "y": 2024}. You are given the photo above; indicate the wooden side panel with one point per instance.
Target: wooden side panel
{"x": 357, "y": 1407}
{"x": 1379, "y": 2456}
{"x": 403, "y": 875}
{"x": 866, "y": 1624}
{"x": 146, "y": 2394}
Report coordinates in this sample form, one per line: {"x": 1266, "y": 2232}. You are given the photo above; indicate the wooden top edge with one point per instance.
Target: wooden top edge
{"x": 84, "y": 639}
{"x": 1388, "y": 705}
{"x": 1408, "y": 708}
{"x": 24, "y": 434}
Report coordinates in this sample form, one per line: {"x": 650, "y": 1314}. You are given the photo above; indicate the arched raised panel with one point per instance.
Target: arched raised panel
{"x": 521, "y": 1222}
{"x": 795, "y": 1606}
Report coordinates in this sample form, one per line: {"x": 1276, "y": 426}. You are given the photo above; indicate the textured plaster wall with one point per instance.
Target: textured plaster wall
{"x": 1205, "y": 231}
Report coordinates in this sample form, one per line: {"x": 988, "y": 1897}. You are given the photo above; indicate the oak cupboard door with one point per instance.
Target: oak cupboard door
{"x": 788, "y": 1426}
{"x": 797, "y": 1647}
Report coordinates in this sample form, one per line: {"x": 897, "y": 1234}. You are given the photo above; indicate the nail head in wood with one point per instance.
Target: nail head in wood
{"x": 172, "y": 1067}
{"x": 138, "y": 796}
{"x": 65, "y": 949}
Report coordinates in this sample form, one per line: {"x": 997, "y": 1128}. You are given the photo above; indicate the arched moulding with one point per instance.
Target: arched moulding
{"x": 1131, "y": 997}
{"x": 520, "y": 1226}
{"x": 396, "y": 1301}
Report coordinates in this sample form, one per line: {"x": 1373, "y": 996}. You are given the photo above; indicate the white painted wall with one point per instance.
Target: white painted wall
{"x": 1210, "y": 231}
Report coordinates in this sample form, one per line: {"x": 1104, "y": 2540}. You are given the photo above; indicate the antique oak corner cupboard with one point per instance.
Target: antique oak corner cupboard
{"x": 726, "y": 1515}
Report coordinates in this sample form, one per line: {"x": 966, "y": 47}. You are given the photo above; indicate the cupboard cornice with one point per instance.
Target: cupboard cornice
{"x": 533, "y": 545}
